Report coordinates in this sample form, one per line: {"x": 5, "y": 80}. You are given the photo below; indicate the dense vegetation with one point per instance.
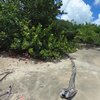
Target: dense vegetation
{"x": 31, "y": 26}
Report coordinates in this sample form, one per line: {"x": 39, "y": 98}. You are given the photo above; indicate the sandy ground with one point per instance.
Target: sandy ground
{"x": 45, "y": 80}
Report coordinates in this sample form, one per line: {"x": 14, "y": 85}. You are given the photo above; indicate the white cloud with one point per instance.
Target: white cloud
{"x": 77, "y": 10}
{"x": 97, "y": 2}
{"x": 97, "y": 21}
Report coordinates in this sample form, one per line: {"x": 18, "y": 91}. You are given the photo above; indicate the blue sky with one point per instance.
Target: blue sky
{"x": 94, "y": 8}
{"x": 82, "y": 11}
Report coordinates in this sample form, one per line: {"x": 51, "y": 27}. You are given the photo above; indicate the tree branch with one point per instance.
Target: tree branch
{"x": 6, "y": 74}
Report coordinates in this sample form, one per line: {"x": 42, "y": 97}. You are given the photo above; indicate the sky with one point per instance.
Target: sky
{"x": 81, "y": 11}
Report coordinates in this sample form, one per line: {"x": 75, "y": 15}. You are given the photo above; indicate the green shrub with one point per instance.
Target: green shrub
{"x": 42, "y": 42}
{"x": 88, "y": 34}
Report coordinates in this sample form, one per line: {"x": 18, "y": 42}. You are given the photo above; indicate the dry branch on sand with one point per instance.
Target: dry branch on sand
{"x": 8, "y": 92}
{"x": 70, "y": 92}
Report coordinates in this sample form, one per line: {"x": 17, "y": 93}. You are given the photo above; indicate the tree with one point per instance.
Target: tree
{"x": 41, "y": 11}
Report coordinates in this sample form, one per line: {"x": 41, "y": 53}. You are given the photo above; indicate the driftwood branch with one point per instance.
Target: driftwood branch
{"x": 70, "y": 92}
{"x": 6, "y": 74}
{"x": 8, "y": 92}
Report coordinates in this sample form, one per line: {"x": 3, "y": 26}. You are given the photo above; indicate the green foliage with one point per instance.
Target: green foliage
{"x": 9, "y": 22}
{"x": 88, "y": 34}
{"x": 42, "y": 42}
{"x": 67, "y": 27}
{"x": 41, "y": 11}
{"x": 3, "y": 41}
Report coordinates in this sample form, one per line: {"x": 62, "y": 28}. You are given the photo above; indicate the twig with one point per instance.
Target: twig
{"x": 10, "y": 90}
{"x": 6, "y": 74}
{"x": 10, "y": 87}
{"x": 4, "y": 94}
{"x": 70, "y": 92}
{"x": 7, "y": 92}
